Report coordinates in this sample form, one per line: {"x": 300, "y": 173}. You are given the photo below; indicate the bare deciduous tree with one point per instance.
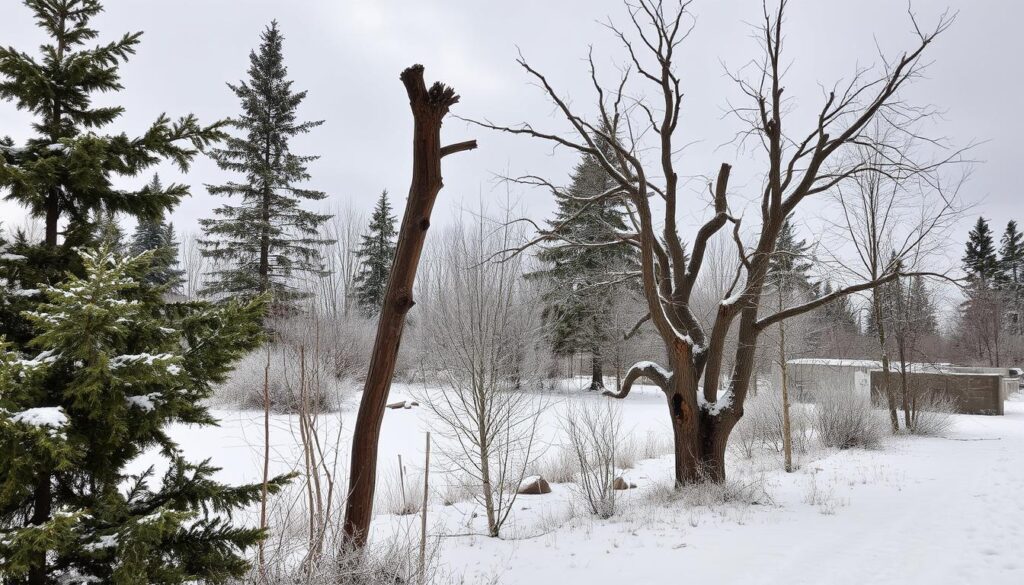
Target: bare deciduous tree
{"x": 481, "y": 326}
{"x": 798, "y": 165}
{"x": 894, "y": 217}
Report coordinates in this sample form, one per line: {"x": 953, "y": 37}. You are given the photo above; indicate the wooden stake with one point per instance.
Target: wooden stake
{"x": 423, "y": 527}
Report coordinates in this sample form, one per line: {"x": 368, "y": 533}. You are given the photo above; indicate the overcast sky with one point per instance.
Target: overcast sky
{"x": 348, "y": 54}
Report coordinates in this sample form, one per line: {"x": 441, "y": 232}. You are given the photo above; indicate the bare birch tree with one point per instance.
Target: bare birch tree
{"x": 799, "y": 164}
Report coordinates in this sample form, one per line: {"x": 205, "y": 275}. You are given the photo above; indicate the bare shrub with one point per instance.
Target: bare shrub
{"x": 389, "y": 561}
{"x": 627, "y": 453}
{"x": 403, "y": 492}
{"x": 931, "y": 414}
{"x": 654, "y": 445}
{"x": 559, "y": 465}
{"x": 751, "y": 491}
{"x": 822, "y": 496}
{"x": 761, "y": 427}
{"x": 593, "y": 431}
{"x": 342, "y": 341}
{"x": 846, "y": 419}
{"x": 244, "y": 387}
{"x": 481, "y": 326}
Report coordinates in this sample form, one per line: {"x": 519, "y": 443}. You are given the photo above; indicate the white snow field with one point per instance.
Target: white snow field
{"x": 919, "y": 510}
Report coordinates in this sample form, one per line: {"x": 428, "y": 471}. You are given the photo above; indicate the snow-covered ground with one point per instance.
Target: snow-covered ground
{"x": 920, "y": 510}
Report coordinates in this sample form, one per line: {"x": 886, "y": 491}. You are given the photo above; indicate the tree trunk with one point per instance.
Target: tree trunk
{"x": 890, "y": 396}
{"x": 787, "y": 429}
{"x": 596, "y": 374}
{"x": 428, "y": 109}
{"x": 699, "y": 437}
{"x": 42, "y": 504}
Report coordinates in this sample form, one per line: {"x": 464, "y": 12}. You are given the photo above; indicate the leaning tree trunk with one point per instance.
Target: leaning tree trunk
{"x": 428, "y": 109}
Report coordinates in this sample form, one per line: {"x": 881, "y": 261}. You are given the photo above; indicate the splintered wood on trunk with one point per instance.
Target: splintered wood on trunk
{"x": 429, "y": 108}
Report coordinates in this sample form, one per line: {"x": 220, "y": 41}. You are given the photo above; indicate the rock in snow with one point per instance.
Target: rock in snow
{"x": 621, "y": 484}
{"x": 535, "y": 486}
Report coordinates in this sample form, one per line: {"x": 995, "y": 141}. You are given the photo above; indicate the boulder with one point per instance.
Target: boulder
{"x": 533, "y": 486}
{"x": 403, "y": 404}
{"x": 621, "y": 484}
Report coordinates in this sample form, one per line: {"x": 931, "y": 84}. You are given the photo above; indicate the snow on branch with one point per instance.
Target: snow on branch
{"x": 661, "y": 377}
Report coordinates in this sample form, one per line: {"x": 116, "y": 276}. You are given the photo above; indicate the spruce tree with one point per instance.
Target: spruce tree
{"x": 979, "y": 259}
{"x": 839, "y": 314}
{"x": 265, "y": 238}
{"x": 66, "y": 173}
{"x": 920, "y": 308}
{"x": 110, "y": 366}
{"x": 108, "y": 230}
{"x": 376, "y": 253}
{"x": 67, "y": 170}
{"x": 158, "y": 236}
{"x": 1011, "y": 274}
{"x": 581, "y": 279}
{"x": 790, "y": 264}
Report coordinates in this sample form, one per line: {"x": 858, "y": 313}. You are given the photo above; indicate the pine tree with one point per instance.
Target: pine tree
{"x": 1011, "y": 274}
{"x": 839, "y": 314}
{"x": 1011, "y": 254}
{"x": 376, "y": 253}
{"x": 158, "y": 236}
{"x": 790, "y": 264}
{"x": 67, "y": 170}
{"x": 111, "y": 367}
{"x": 920, "y": 308}
{"x": 581, "y": 280}
{"x": 984, "y": 310}
{"x": 66, "y": 173}
{"x": 265, "y": 238}
{"x": 108, "y": 230}
{"x": 979, "y": 259}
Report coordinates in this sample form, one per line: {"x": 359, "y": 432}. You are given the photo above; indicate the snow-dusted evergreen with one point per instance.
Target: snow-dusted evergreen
{"x": 376, "y": 253}
{"x": 110, "y": 366}
{"x": 263, "y": 237}
{"x": 157, "y": 236}
{"x": 66, "y": 171}
{"x": 581, "y": 280}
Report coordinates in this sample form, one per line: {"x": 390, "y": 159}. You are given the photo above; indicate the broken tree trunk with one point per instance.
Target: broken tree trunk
{"x": 428, "y": 109}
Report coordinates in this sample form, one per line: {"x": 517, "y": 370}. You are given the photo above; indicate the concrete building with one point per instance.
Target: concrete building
{"x": 977, "y": 390}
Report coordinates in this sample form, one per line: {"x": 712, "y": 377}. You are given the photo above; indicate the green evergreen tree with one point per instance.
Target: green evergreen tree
{"x": 65, "y": 173}
{"x": 839, "y": 314}
{"x": 266, "y": 238}
{"x": 582, "y": 280}
{"x": 984, "y": 310}
{"x": 67, "y": 170}
{"x": 376, "y": 253}
{"x": 108, "y": 230}
{"x": 979, "y": 259}
{"x": 111, "y": 366}
{"x": 158, "y": 236}
{"x": 920, "y": 314}
{"x": 1011, "y": 275}
{"x": 790, "y": 264}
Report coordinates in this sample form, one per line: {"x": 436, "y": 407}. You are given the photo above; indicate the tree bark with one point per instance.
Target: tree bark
{"x": 596, "y": 373}
{"x": 428, "y": 109}
{"x": 890, "y": 396}
{"x": 42, "y": 504}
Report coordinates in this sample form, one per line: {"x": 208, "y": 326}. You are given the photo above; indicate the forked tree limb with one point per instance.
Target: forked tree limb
{"x": 429, "y": 107}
